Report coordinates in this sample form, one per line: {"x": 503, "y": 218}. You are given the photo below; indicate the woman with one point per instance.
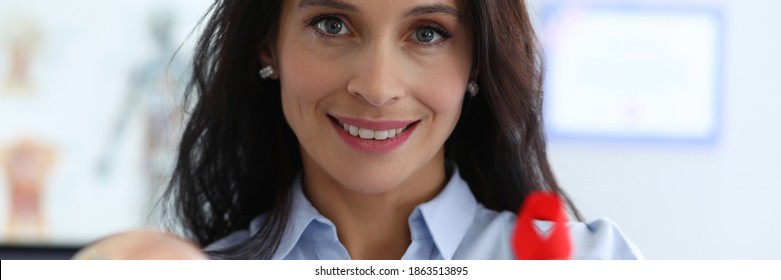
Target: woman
{"x": 350, "y": 129}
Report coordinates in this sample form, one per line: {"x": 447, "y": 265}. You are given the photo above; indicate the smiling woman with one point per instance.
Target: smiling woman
{"x": 346, "y": 129}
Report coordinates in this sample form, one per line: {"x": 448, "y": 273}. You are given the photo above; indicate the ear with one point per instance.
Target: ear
{"x": 268, "y": 56}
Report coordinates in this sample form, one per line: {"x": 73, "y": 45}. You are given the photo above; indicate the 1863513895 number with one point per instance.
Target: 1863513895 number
{"x": 438, "y": 270}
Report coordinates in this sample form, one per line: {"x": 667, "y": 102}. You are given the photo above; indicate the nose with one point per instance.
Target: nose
{"x": 378, "y": 74}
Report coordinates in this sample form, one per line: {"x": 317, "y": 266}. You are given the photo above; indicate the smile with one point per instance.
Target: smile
{"x": 365, "y": 133}
{"x": 369, "y": 130}
{"x": 373, "y": 137}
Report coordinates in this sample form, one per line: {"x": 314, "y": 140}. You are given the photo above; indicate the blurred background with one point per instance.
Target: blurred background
{"x": 663, "y": 116}
{"x": 90, "y": 112}
{"x": 660, "y": 114}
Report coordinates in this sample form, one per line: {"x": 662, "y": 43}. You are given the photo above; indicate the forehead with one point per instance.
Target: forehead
{"x": 405, "y": 7}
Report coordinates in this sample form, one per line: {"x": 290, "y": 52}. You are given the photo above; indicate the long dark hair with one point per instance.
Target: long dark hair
{"x": 238, "y": 157}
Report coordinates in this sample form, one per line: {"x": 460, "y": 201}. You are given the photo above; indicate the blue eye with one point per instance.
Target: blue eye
{"x": 332, "y": 26}
{"x": 428, "y": 34}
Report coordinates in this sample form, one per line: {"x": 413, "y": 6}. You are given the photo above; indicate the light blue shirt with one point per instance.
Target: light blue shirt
{"x": 453, "y": 225}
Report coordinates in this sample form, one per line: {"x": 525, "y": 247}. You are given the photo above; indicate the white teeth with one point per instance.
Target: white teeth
{"x": 353, "y": 130}
{"x": 381, "y": 134}
{"x": 365, "y": 133}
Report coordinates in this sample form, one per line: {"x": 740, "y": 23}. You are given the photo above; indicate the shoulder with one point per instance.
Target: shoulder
{"x": 230, "y": 241}
{"x": 236, "y": 238}
{"x": 490, "y": 235}
{"x": 601, "y": 239}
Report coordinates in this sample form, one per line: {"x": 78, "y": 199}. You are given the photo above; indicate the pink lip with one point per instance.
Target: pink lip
{"x": 373, "y": 125}
{"x": 372, "y": 146}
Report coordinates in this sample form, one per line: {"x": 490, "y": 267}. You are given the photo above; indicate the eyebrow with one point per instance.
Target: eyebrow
{"x": 421, "y": 10}
{"x": 433, "y": 9}
{"x": 336, "y": 4}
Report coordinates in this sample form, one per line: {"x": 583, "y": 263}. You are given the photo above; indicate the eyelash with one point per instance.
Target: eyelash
{"x": 312, "y": 23}
{"x": 439, "y": 30}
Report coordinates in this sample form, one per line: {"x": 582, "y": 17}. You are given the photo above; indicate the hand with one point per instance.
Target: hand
{"x": 141, "y": 245}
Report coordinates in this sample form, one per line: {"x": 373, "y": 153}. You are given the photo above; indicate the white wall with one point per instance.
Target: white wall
{"x": 686, "y": 201}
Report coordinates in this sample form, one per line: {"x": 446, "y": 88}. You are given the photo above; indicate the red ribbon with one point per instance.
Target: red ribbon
{"x": 530, "y": 241}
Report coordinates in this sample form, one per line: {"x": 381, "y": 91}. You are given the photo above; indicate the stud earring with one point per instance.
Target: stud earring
{"x": 266, "y": 72}
{"x": 472, "y": 88}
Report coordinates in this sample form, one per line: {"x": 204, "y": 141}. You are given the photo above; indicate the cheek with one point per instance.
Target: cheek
{"x": 445, "y": 102}
{"x": 303, "y": 79}
{"x": 443, "y": 91}
{"x": 305, "y": 82}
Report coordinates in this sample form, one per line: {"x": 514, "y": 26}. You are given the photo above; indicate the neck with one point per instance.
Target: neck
{"x": 373, "y": 225}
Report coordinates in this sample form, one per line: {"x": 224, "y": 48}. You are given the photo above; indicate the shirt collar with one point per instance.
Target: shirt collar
{"x": 302, "y": 214}
{"x": 447, "y": 216}
{"x": 450, "y": 214}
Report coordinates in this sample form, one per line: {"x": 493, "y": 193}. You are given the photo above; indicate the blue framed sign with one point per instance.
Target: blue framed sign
{"x": 634, "y": 73}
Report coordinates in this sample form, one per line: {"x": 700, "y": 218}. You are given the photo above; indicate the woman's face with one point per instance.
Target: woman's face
{"x": 373, "y": 88}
